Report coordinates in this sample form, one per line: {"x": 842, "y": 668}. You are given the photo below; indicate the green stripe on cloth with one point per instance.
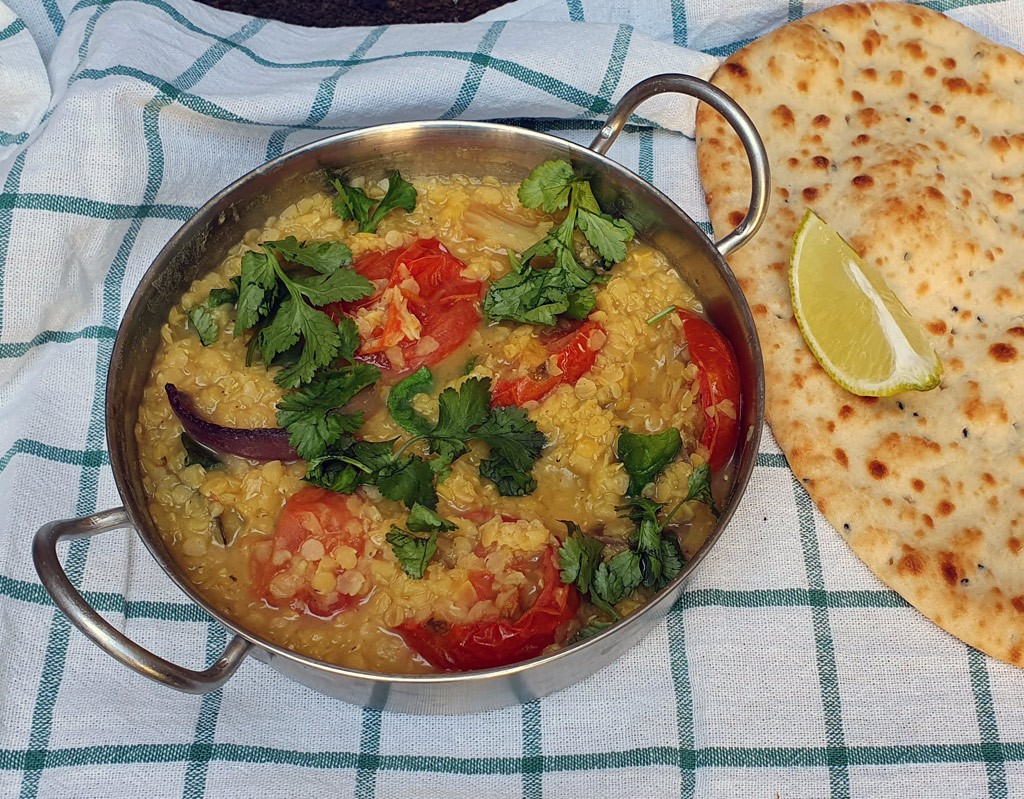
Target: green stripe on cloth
{"x": 532, "y": 762}
{"x": 37, "y": 449}
{"x": 988, "y": 728}
{"x": 687, "y": 754}
{"x": 679, "y": 27}
{"x": 201, "y": 751}
{"x": 368, "y": 760}
{"x": 760, "y": 757}
{"x": 837, "y": 758}
{"x": 13, "y": 29}
{"x": 96, "y": 209}
{"x": 20, "y": 349}
{"x": 616, "y": 61}
{"x": 11, "y": 183}
{"x": 475, "y": 73}
{"x": 575, "y": 10}
{"x": 53, "y": 14}
{"x": 56, "y": 653}
{"x": 324, "y": 96}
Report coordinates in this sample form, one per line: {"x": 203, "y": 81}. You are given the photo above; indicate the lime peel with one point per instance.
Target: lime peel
{"x": 856, "y": 327}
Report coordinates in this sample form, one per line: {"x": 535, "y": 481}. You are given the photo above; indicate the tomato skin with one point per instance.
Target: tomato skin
{"x": 498, "y": 642}
{"x": 719, "y": 377}
{"x": 312, "y": 513}
{"x": 575, "y": 357}
{"x": 446, "y": 304}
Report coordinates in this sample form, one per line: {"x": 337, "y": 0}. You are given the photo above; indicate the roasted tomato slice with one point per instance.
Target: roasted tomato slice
{"x": 575, "y": 352}
{"x": 719, "y": 378}
{"x": 311, "y": 564}
{"x": 497, "y": 642}
{"x": 429, "y": 308}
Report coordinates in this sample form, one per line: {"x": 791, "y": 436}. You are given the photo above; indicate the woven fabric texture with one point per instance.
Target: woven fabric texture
{"x": 785, "y": 670}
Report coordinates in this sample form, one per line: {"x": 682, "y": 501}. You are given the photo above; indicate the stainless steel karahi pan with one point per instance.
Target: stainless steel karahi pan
{"x": 470, "y": 148}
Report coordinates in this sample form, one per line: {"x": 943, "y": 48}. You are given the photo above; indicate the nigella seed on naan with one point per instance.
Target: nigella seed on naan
{"x": 924, "y": 143}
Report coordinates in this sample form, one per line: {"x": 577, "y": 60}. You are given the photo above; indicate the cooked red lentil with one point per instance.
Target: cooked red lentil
{"x": 321, "y": 578}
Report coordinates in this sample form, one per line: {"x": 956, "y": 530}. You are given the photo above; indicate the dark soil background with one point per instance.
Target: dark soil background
{"x": 337, "y": 13}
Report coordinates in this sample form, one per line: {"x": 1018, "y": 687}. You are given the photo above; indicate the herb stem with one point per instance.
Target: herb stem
{"x": 662, "y": 314}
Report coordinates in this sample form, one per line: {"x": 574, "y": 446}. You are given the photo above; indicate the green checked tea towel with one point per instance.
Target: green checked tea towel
{"x": 786, "y": 669}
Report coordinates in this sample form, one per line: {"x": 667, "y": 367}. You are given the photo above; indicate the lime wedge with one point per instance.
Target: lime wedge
{"x": 856, "y": 327}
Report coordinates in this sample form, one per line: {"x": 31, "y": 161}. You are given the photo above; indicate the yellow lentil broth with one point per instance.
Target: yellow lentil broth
{"x": 215, "y": 521}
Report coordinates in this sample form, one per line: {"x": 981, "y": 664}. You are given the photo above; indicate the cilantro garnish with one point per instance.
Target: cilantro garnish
{"x": 540, "y": 295}
{"x": 202, "y": 321}
{"x": 352, "y": 203}
{"x": 196, "y": 453}
{"x": 646, "y": 456}
{"x": 592, "y": 629}
{"x": 407, "y": 479}
{"x": 286, "y": 304}
{"x": 400, "y": 401}
{"x": 349, "y": 464}
{"x": 310, "y": 413}
{"x": 515, "y": 444}
{"x": 416, "y": 546}
{"x": 465, "y": 414}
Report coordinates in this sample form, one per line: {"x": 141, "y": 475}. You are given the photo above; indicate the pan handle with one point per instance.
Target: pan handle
{"x": 105, "y": 636}
{"x": 733, "y": 114}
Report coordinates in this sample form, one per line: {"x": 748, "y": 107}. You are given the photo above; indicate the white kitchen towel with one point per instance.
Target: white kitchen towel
{"x": 785, "y": 670}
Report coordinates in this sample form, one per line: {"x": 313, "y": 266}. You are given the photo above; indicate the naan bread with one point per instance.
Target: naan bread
{"x": 905, "y": 131}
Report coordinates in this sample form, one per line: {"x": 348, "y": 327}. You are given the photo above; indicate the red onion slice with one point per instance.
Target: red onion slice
{"x": 259, "y": 444}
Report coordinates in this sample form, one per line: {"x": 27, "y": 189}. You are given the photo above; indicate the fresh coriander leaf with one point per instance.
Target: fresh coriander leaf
{"x": 336, "y": 472}
{"x": 529, "y": 297}
{"x": 196, "y": 453}
{"x": 342, "y": 285}
{"x": 283, "y": 331}
{"x": 608, "y": 236}
{"x": 458, "y": 412}
{"x": 548, "y": 186}
{"x": 424, "y": 520}
{"x": 413, "y": 551}
{"x": 617, "y": 578}
{"x": 646, "y": 456}
{"x": 699, "y": 487}
{"x": 399, "y": 401}
{"x": 373, "y": 456}
{"x": 323, "y": 256}
{"x": 352, "y": 203}
{"x": 579, "y": 557}
{"x": 671, "y": 559}
{"x": 540, "y": 296}
{"x": 510, "y": 481}
{"x": 258, "y": 291}
{"x": 220, "y": 297}
{"x": 400, "y": 194}
{"x": 310, "y": 413}
{"x": 592, "y": 629}
{"x": 470, "y": 365}
{"x": 201, "y": 320}
{"x": 321, "y": 342}
{"x": 348, "y": 464}
{"x": 515, "y": 444}
{"x": 348, "y": 339}
{"x": 580, "y": 303}
{"x": 409, "y": 480}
